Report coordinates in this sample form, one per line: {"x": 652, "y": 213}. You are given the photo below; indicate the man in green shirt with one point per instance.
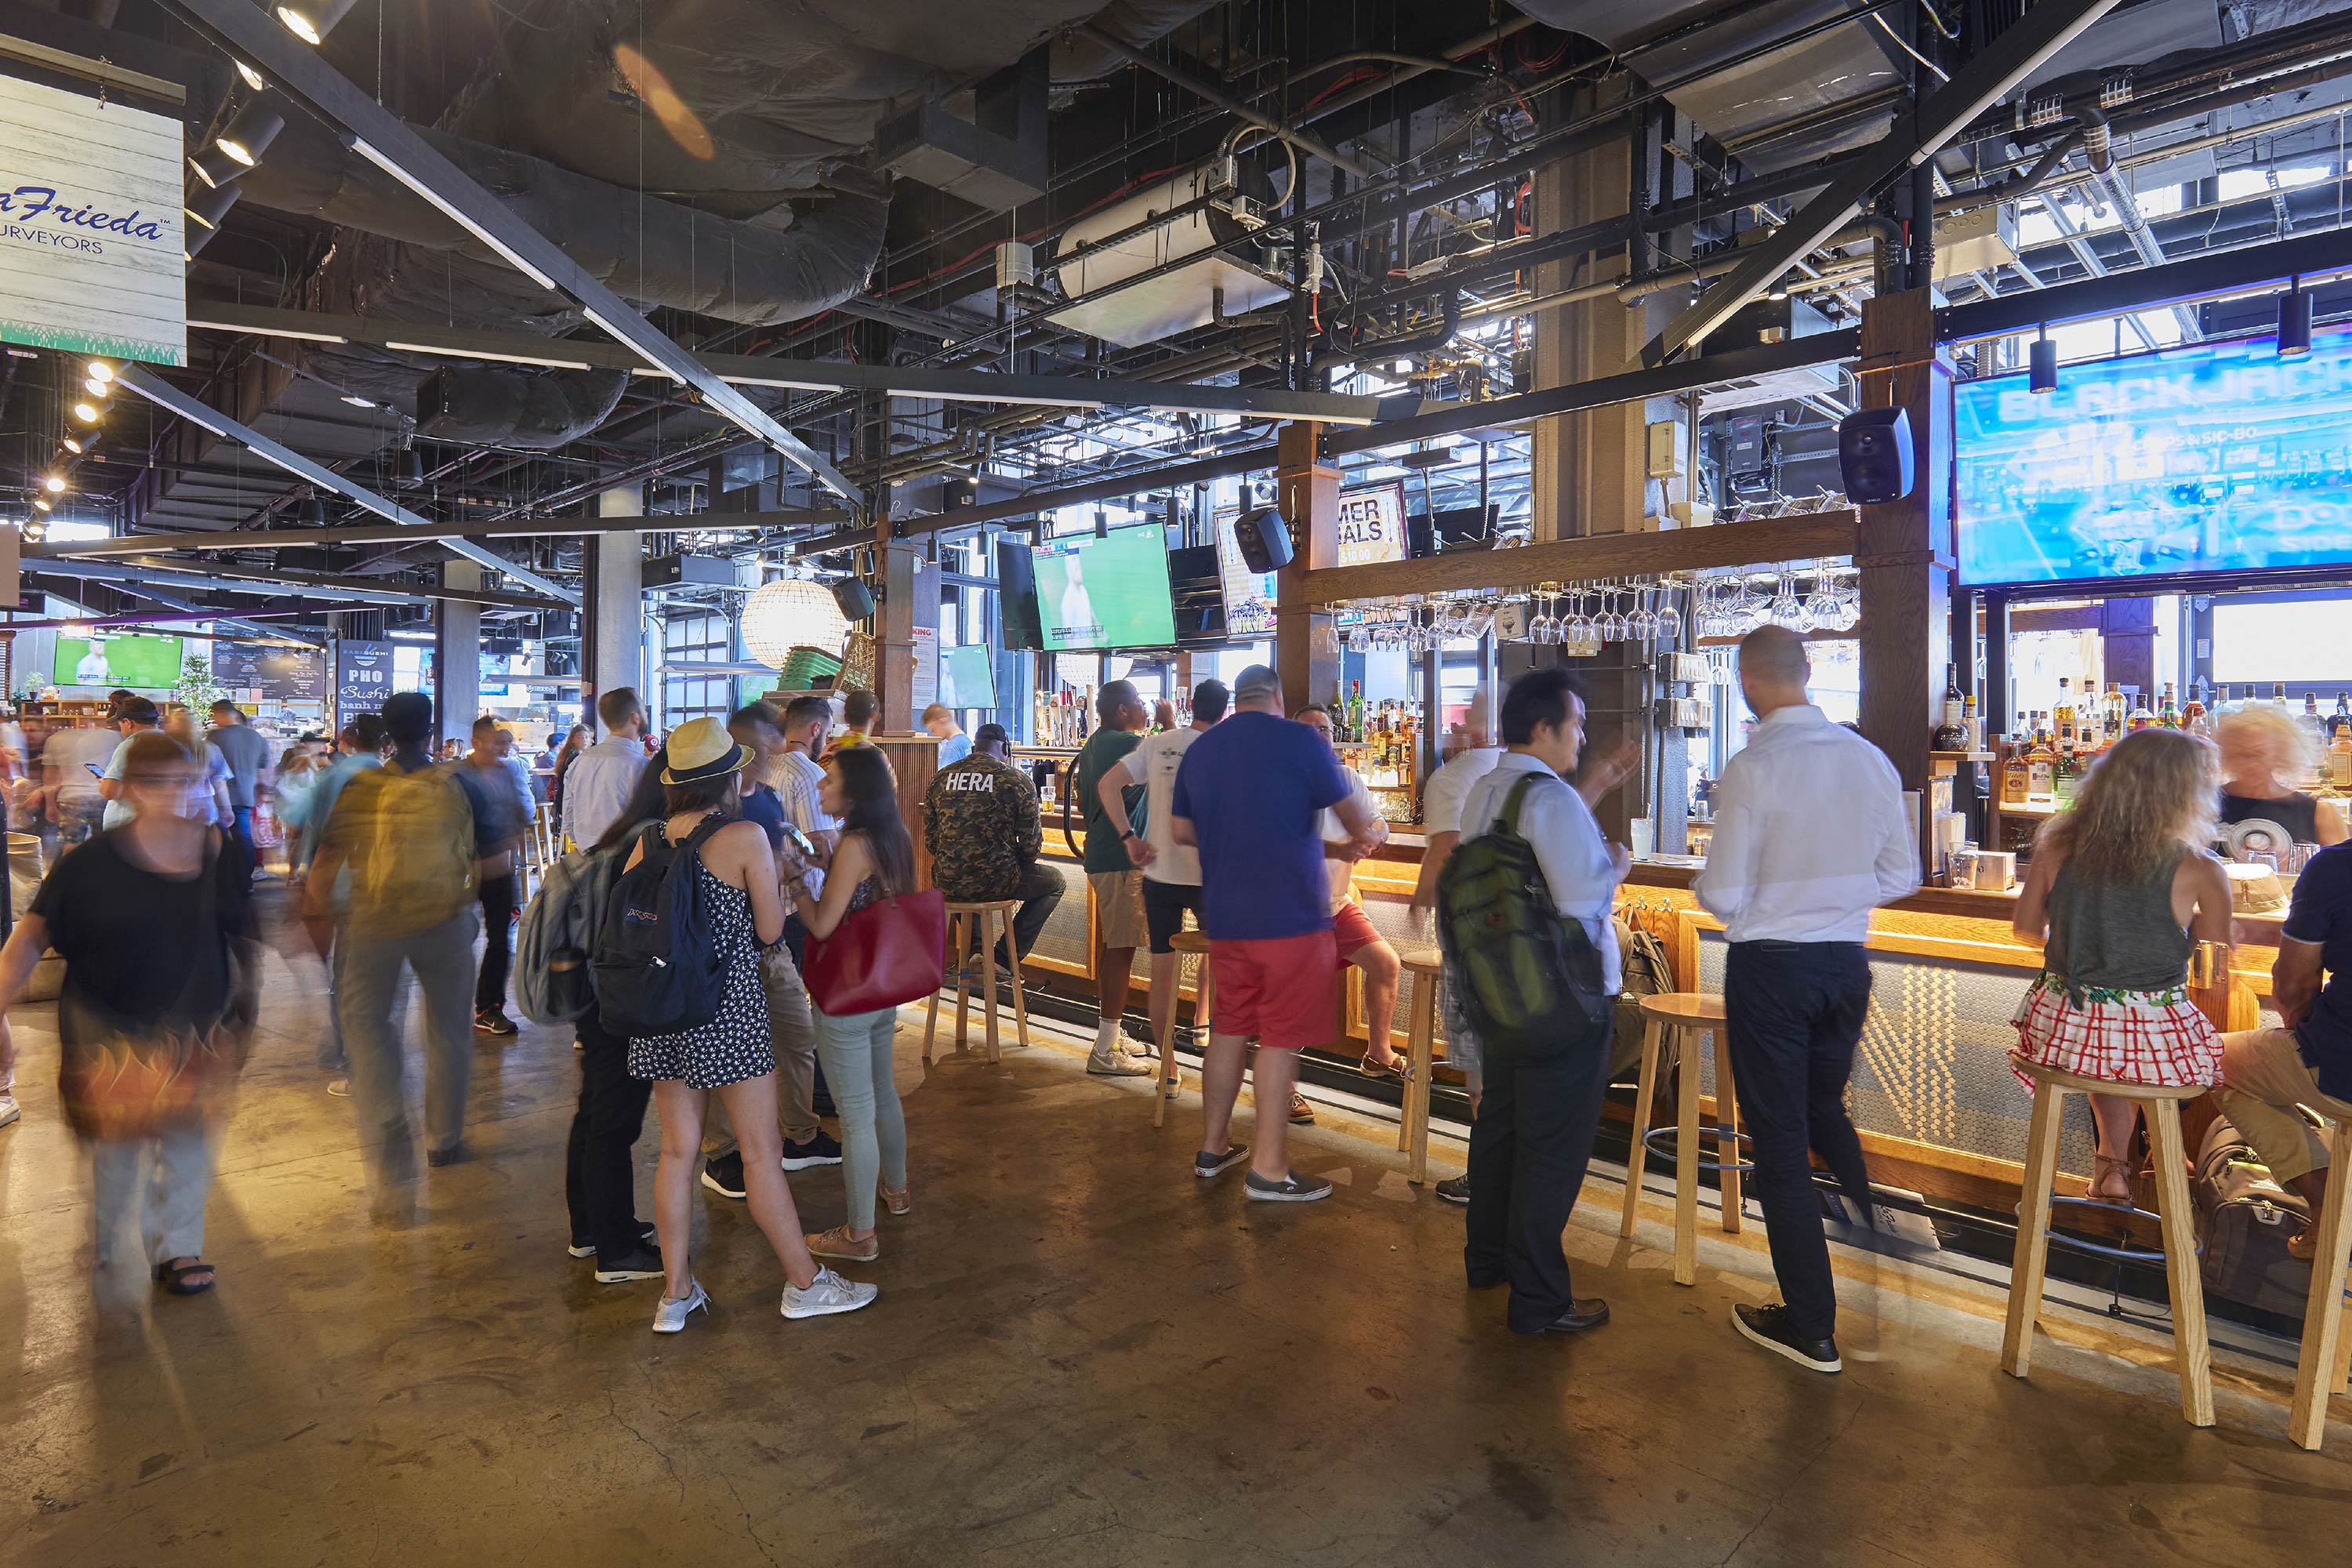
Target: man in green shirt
{"x": 1117, "y": 885}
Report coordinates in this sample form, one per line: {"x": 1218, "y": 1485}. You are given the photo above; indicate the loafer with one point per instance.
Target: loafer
{"x": 1584, "y": 1314}
{"x": 1301, "y": 1114}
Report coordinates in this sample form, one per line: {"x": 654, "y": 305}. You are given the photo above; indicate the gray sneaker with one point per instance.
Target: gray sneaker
{"x": 827, "y": 1294}
{"x": 1209, "y": 1163}
{"x": 669, "y": 1316}
{"x": 1292, "y": 1189}
{"x": 1453, "y": 1189}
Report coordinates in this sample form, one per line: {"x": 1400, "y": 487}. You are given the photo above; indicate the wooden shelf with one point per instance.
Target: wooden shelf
{"x": 2030, "y": 808}
{"x": 1962, "y": 757}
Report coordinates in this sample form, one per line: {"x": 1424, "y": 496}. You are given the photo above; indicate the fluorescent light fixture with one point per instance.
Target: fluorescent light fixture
{"x": 405, "y": 634}
{"x": 445, "y": 352}
{"x": 196, "y": 320}
{"x": 653, "y": 367}
{"x": 392, "y": 167}
{"x": 356, "y": 401}
{"x": 86, "y": 412}
{"x": 253, "y": 79}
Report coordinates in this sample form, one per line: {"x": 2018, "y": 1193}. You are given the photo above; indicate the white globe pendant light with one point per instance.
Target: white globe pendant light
{"x": 792, "y": 613}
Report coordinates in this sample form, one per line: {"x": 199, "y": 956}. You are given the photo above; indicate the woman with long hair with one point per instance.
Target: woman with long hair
{"x": 874, "y": 859}
{"x": 2264, "y": 752}
{"x": 573, "y": 744}
{"x": 2121, "y": 888}
{"x": 732, "y": 1054}
{"x": 153, "y": 919}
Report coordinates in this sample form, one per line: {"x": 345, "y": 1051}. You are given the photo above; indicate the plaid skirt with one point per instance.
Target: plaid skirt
{"x": 2127, "y": 1037}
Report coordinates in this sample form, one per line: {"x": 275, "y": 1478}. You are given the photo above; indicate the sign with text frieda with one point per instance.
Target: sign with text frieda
{"x": 91, "y": 258}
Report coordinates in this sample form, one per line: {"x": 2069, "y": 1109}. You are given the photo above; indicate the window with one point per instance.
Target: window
{"x": 696, "y": 636}
{"x": 2300, "y": 640}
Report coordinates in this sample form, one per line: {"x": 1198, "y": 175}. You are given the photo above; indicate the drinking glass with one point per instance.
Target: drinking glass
{"x": 1643, "y": 624}
{"x": 1609, "y": 626}
{"x": 1669, "y": 619}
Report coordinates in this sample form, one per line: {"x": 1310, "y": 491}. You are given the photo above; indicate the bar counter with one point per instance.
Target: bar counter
{"x": 1939, "y": 1110}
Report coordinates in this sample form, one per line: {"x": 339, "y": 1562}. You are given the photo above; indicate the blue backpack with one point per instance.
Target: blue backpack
{"x": 659, "y": 968}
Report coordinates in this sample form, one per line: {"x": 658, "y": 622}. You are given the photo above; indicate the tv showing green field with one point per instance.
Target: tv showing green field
{"x": 968, "y": 676}
{"x": 141, "y": 663}
{"x": 1106, "y": 592}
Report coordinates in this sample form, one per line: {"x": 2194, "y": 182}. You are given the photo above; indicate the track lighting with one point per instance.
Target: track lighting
{"x": 2043, "y": 375}
{"x": 95, "y": 387}
{"x": 313, "y": 20}
{"x": 412, "y": 467}
{"x": 99, "y": 369}
{"x": 192, "y": 241}
{"x": 2294, "y": 322}
{"x": 252, "y": 77}
{"x": 214, "y": 167}
{"x": 86, "y": 412}
{"x": 74, "y": 445}
{"x": 207, "y": 206}
{"x": 250, "y": 132}
{"x": 41, "y": 503}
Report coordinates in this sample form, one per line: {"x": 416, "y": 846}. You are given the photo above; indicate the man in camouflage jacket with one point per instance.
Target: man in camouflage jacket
{"x": 981, "y": 819}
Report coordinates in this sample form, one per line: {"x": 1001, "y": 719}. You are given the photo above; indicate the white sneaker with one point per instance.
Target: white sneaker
{"x": 669, "y": 1316}
{"x": 341, "y": 1088}
{"x": 9, "y": 1109}
{"x": 1119, "y": 1063}
{"x": 828, "y": 1293}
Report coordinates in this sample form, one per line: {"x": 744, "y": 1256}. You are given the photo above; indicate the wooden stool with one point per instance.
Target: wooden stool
{"x": 2327, "y": 1350}
{"x": 1426, "y": 965}
{"x": 961, "y": 919}
{"x": 1172, "y": 1076}
{"x": 2190, "y": 1352}
{"x": 1669, "y": 1020}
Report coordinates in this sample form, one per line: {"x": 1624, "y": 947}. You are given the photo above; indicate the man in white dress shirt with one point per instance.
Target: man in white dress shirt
{"x": 597, "y": 786}
{"x": 1533, "y": 1136}
{"x": 1811, "y": 835}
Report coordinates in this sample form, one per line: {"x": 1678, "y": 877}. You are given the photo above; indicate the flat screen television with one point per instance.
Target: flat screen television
{"x": 1108, "y": 591}
{"x": 2206, "y": 457}
{"x": 118, "y": 658}
{"x": 1016, "y": 584}
{"x": 968, "y": 676}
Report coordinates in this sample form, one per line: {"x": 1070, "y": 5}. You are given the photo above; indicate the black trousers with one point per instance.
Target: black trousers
{"x": 599, "y": 1171}
{"x": 1039, "y": 890}
{"x": 1796, "y": 1013}
{"x": 497, "y": 941}
{"x": 1528, "y": 1150}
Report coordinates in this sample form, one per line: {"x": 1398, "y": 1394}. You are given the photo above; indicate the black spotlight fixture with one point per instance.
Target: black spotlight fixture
{"x": 208, "y": 205}
{"x": 2043, "y": 375}
{"x": 313, "y": 513}
{"x": 2294, "y": 322}
{"x": 214, "y": 167}
{"x": 313, "y": 20}
{"x": 412, "y": 467}
{"x": 193, "y": 241}
{"x": 249, "y": 132}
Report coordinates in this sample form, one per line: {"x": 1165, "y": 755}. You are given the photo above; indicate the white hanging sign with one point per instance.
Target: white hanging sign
{"x": 90, "y": 256}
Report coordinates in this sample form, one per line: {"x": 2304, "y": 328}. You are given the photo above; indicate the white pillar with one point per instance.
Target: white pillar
{"x": 614, "y": 611}
{"x": 457, "y": 653}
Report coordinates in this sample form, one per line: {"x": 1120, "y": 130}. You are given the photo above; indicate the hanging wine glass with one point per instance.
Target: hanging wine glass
{"x": 1669, "y": 619}
{"x": 1643, "y": 624}
{"x": 1544, "y": 630}
{"x": 1609, "y": 626}
{"x": 1786, "y": 609}
{"x": 1577, "y": 630}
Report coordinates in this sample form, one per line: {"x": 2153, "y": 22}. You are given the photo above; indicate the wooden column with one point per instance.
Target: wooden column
{"x": 1305, "y": 653}
{"x": 2127, "y": 632}
{"x": 1904, "y": 548}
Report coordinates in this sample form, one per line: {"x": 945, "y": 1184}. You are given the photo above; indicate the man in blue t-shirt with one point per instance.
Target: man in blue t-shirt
{"x": 1251, "y": 794}
{"x": 2266, "y": 1073}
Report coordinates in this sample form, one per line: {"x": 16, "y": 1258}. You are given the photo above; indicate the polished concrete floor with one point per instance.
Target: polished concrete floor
{"x": 1081, "y": 1355}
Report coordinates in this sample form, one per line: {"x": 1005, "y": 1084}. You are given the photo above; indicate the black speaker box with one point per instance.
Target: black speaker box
{"x": 855, "y": 599}
{"x": 1265, "y": 540}
{"x": 1875, "y": 455}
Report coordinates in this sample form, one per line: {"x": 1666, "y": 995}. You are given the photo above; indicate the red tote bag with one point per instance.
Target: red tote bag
{"x": 884, "y": 955}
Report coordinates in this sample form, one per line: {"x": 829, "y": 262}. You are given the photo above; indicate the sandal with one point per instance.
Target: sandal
{"x": 1396, "y": 1068}
{"x": 898, "y": 1200}
{"x": 2102, "y": 1166}
{"x": 173, "y": 1277}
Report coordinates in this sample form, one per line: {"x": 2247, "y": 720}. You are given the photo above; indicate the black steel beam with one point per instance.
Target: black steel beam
{"x": 2183, "y": 282}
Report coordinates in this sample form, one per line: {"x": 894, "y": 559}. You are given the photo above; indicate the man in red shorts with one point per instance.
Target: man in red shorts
{"x": 1250, "y": 794}
{"x": 1359, "y": 943}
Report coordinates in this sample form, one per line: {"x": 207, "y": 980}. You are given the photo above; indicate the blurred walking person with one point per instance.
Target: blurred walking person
{"x": 245, "y": 754}
{"x": 359, "y": 746}
{"x": 155, "y": 923}
{"x": 411, "y": 833}
{"x": 508, "y": 799}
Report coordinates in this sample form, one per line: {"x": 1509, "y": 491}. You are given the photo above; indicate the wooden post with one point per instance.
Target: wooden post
{"x": 1904, "y": 548}
{"x": 1305, "y": 653}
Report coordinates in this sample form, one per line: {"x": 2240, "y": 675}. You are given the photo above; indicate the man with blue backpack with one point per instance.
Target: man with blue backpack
{"x": 1524, "y": 916}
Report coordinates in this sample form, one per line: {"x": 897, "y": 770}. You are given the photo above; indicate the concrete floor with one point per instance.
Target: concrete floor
{"x": 1081, "y": 1356}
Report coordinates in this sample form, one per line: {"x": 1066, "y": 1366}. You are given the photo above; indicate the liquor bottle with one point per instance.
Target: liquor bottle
{"x": 2342, "y": 717}
{"x": 2310, "y": 718}
{"x": 1951, "y": 735}
{"x": 2115, "y": 715}
{"x": 2339, "y": 757}
{"x": 1356, "y": 712}
{"x": 2193, "y": 712}
{"x": 2140, "y": 716}
{"x": 2041, "y": 768}
{"x": 2062, "y": 717}
{"x": 2065, "y": 775}
{"x": 2278, "y": 695}
{"x": 1953, "y": 701}
{"x": 1971, "y": 726}
{"x": 2169, "y": 714}
{"x": 2014, "y": 782}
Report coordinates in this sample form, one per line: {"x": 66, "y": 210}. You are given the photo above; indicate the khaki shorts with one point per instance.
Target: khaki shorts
{"x": 1118, "y": 909}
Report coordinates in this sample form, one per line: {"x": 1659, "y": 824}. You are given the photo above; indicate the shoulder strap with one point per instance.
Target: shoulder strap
{"x": 701, "y": 836}
{"x": 1508, "y": 819}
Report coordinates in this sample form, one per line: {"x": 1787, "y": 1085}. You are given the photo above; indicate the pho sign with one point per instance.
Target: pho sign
{"x": 91, "y": 258}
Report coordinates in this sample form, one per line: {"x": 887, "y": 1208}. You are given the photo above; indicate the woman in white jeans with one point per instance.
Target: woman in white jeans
{"x": 875, "y": 860}
{"x": 154, "y": 921}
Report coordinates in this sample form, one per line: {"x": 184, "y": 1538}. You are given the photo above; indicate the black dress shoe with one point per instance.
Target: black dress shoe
{"x": 1584, "y": 1312}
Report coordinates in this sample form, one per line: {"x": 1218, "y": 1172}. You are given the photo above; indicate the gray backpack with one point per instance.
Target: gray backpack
{"x": 560, "y": 932}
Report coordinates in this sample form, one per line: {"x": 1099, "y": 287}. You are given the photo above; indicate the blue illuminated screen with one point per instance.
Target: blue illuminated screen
{"x": 2207, "y": 458}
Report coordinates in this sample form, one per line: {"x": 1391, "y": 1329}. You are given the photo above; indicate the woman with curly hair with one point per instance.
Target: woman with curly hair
{"x": 2121, "y": 888}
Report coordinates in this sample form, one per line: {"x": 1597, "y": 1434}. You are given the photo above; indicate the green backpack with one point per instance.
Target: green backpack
{"x": 1528, "y": 979}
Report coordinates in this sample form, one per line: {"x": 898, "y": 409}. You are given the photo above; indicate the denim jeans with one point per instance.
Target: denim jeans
{"x": 441, "y": 957}
{"x": 856, "y": 1054}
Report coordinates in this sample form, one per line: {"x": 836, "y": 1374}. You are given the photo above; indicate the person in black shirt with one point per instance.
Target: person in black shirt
{"x": 154, "y": 921}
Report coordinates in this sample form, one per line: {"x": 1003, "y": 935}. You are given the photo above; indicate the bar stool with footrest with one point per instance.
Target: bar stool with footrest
{"x": 1172, "y": 1076}
{"x": 963, "y": 920}
{"x": 2319, "y": 1373}
{"x": 1427, "y": 967}
{"x": 2191, "y": 1356}
{"x": 1670, "y": 1019}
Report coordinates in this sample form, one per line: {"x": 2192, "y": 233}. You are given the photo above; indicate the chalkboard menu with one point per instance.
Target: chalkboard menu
{"x": 272, "y": 674}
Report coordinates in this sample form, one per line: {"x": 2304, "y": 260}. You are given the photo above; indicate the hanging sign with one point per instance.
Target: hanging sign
{"x": 1372, "y": 524}
{"x": 268, "y": 674}
{"x": 91, "y": 256}
{"x": 362, "y": 678}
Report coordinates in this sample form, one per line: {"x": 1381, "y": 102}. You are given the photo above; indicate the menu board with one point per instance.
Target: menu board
{"x": 1372, "y": 524}
{"x": 257, "y": 672}
{"x": 1249, "y": 595}
{"x": 362, "y": 678}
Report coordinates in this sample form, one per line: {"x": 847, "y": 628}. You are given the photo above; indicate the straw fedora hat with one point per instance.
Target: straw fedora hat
{"x": 701, "y": 749}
